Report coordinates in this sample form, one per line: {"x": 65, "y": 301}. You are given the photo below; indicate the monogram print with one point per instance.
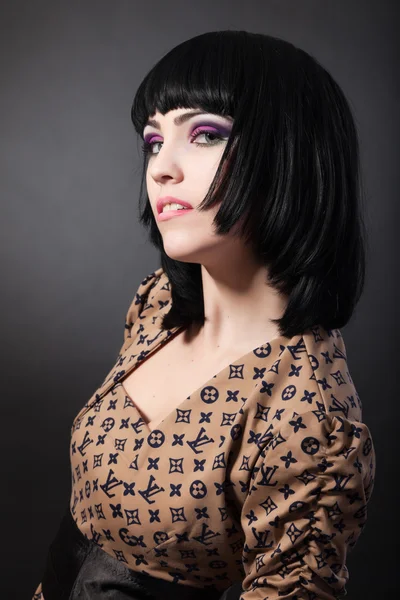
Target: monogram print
{"x": 262, "y": 475}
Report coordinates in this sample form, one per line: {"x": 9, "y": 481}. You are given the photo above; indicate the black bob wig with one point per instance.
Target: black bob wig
{"x": 290, "y": 172}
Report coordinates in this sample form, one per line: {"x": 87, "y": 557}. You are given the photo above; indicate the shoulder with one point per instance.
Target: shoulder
{"x": 153, "y": 293}
{"x": 307, "y": 381}
{"x": 316, "y": 375}
{"x": 328, "y": 375}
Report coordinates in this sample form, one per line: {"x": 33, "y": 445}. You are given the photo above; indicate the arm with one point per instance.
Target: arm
{"x": 306, "y": 508}
{"x": 138, "y": 305}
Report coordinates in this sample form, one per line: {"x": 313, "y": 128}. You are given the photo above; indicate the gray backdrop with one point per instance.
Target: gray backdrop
{"x": 69, "y": 182}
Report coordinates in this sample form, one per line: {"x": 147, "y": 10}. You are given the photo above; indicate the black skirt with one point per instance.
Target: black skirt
{"x": 76, "y": 568}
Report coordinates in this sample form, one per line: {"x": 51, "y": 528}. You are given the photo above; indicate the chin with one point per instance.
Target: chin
{"x": 208, "y": 256}
{"x": 181, "y": 254}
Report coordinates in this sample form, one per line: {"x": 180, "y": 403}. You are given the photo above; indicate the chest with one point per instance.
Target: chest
{"x": 171, "y": 373}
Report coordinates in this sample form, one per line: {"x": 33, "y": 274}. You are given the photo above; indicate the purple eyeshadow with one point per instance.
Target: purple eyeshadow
{"x": 221, "y": 130}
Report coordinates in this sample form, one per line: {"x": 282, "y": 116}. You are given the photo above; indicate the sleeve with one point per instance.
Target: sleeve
{"x": 306, "y": 507}
{"x": 38, "y": 595}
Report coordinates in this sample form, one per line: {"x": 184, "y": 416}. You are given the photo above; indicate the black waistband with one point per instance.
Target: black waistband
{"x": 77, "y": 568}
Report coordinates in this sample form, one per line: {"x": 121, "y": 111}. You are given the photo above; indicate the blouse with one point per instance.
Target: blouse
{"x": 262, "y": 475}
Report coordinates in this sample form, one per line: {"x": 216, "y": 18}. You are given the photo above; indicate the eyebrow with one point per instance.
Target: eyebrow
{"x": 180, "y": 119}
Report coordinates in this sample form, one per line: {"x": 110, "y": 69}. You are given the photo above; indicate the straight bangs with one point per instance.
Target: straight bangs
{"x": 211, "y": 72}
{"x": 288, "y": 177}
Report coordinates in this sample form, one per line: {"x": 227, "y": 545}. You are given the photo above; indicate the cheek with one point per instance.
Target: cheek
{"x": 152, "y": 187}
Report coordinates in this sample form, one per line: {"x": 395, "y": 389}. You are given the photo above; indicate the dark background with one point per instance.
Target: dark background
{"x": 73, "y": 254}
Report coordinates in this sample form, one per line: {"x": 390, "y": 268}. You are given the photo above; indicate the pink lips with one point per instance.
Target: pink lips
{"x": 173, "y": 213}
{"x": 161, "y": 202}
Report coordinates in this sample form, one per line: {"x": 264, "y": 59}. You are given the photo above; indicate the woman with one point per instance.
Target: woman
{"x": 237, "y": 451}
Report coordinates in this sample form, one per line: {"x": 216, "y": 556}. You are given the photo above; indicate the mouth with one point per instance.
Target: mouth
{"x": 169, "y": 206}
{"x": 165, "y": 202}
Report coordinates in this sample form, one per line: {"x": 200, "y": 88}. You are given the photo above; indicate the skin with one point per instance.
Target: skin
{"x": 238, "y": 303}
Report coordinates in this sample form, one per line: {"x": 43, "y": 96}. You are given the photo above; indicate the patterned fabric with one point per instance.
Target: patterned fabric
{"x": 262, "y": 475}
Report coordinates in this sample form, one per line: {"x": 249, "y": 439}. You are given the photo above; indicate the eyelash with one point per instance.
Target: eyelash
{"x": 147, "y": 147}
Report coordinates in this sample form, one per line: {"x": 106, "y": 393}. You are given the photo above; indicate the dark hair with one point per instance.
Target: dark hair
{"x": 289, "y": 172}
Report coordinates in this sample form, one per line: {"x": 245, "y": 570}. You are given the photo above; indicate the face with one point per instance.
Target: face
{"x": 184, "y": 151}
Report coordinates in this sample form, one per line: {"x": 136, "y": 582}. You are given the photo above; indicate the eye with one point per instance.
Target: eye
{"x": 216, "y": 138}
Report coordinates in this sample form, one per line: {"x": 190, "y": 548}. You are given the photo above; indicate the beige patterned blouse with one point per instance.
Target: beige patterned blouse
{"x": 262, "y": 475}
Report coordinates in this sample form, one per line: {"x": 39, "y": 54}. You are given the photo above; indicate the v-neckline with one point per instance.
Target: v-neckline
{"x": 273, "y": 342}
{"x": 151, "y": 333}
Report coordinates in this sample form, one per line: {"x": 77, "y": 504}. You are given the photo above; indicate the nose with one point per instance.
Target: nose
{"x": 167, "y": 164}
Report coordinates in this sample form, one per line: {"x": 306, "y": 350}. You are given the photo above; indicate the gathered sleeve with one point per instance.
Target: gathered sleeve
{"x": 306, "y": 507}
